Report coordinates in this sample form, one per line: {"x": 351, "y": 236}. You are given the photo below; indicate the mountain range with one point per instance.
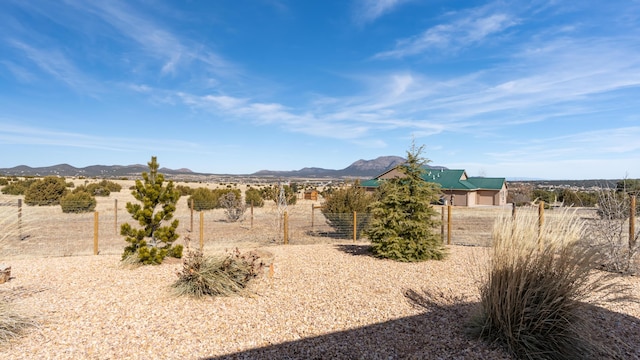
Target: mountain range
{"x": 359, "y": 169}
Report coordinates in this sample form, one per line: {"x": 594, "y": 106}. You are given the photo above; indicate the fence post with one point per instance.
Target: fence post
{"x": 115, "y": 214}
{"x": 251, "y": 214}
{"x": 540, "y": 222}
{"x": 201, "y": 231}
{"x": 355, "y": 226}
{"x": 313, "y": 210}
{"x": 191, "y": 228}
{"x": 448, "y": 224}
{"x": 20, "y": 219}
{"x": 513, "y": 210}
{"x": 632, "y": 223}
{"x": 95, "y": 233}
{"x": 286, "y": 228}
{"x": 442, "y": 224}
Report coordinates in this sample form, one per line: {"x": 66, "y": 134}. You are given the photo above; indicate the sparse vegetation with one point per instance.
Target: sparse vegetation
{"x": 78, "y": 202}
{"x": 536, "y": 282}
{"x": 403, "y": 219}
{"x": 152, "y": 193}
{"x": 203, "y": 275}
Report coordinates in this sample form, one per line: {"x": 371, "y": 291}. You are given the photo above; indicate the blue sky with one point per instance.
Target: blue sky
{"x": 538, "y": 89}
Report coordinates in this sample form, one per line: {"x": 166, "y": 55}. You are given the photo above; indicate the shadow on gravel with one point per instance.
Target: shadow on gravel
{"x": 355, "y": 249}
{"x": 438, "y": 333}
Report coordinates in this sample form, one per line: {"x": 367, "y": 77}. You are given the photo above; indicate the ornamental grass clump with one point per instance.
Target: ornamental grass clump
{"x": 538, "y": 278}
{"x": 12, "y": 323}
{"x": 228, "y": 275}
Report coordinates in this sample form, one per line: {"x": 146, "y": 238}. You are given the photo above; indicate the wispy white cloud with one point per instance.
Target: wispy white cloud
{"x": 56, "y": 64}
{"x": 451, "y": 37}
{"x": 40, "y": 136}
{"x": 367, "y": 11}
{"x": 156, "y": 40}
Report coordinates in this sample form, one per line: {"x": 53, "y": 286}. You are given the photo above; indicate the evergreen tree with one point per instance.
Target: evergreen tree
{"x": 153, "y": 242}
{"x": 404, "y": 220}
{"x": 338, "y": 209}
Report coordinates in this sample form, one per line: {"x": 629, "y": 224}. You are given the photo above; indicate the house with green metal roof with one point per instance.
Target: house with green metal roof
{"x": 457, "y": 188}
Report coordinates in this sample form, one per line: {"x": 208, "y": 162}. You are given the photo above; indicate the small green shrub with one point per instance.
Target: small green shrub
{"x": 207, "y": 199}
{"x": 78, "y": 202}
{"x": 46, "y": 191}
{"x": 203, "y": 199}
{"x": 217, "y": 276}
{"x": 253, "y": 196}
{"x": 4, "y": 181}
{"x": 535, "y": 285}
{"x": 340, "y": 205}
{"x": 17, "y": 187}
{"x": 184, "y": 190}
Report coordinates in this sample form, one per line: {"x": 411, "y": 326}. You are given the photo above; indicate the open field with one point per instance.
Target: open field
{"x": 50, "y": 232}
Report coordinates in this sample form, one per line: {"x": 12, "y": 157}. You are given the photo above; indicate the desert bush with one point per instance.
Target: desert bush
{"x": 403, "y": 219}
{"x": 158, "y": 205}
{"x": 78, "y": 202}
{"x": 4, "y": 181}
{"x": 102, "y": 188}
{"x": 233, "y": 207}
{"x": 340, "y": 205}
{"x": 46, "y": 191}
{"x": 216, "y": 276}
{"x": 17, "y": 187}
{"x": 207, "y": 199}
{"x": 184, "y": 190}
{"x": 203, "y": 199}
{"x": 534, "y": 287}
{"x": 253, "y": 196}
{"x": 610, "y": 233}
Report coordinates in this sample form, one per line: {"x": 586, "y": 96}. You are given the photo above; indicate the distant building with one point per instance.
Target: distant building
{"x": 458, "y": 189}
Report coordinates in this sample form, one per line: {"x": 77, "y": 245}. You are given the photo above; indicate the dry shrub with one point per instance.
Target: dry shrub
{"x": 535, "y": 285}
{"x": 610, "y": 233}
{"x": 12, "y": 323}
{"x": 217, "y": 275}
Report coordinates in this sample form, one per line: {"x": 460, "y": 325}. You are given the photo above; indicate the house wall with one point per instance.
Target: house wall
{"x": 460, "y": 197}
{"x": 488, "y": 197}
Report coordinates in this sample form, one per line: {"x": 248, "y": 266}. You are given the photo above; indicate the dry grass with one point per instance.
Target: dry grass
{"x": 537, "y": 282}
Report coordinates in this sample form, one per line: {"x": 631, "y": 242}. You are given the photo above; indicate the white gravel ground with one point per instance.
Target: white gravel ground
{"x": 323, "y": 301}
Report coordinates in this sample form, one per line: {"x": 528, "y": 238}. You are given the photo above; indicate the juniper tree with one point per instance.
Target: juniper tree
{"x": 154, "y": 241}
{"x": 403, "y": 219}
{"x": 340, "y": 205}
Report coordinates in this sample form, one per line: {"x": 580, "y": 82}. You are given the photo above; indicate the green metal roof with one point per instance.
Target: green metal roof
{"x": 451, "y": 180}
{"x": 487, "y": 183}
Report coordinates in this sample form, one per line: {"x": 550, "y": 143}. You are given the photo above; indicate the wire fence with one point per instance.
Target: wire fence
{"x": 40, "y": 231}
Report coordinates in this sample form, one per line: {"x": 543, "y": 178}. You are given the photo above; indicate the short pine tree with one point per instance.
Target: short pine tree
{"x": 153, "y": 242}
{"x": 403, "y": 221}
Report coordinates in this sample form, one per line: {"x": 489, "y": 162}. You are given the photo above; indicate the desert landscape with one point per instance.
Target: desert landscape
{"x": 318, "y": 297}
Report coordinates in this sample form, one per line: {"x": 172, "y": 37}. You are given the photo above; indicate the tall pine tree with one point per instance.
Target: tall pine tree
{"x": 151, "y": 243}
{"x": 404, "y": 220}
